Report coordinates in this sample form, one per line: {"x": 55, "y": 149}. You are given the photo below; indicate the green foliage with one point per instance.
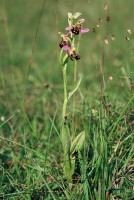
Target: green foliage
{"x": 77, "y": 142}
{"x": 65, "y": 138}
{"x": 96, "y": 147}
{"x": 75, "y": 88}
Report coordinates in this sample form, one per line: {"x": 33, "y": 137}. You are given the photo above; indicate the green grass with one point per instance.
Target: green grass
{"x": 31, "y": 98}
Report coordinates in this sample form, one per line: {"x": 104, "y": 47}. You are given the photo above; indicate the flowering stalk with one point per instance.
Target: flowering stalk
{"x": 74, "y": 98}
{"x": 68, "y": 46}
{"x": 65, "y": 91}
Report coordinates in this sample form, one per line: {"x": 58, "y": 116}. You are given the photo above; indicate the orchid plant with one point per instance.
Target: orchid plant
{"x": 70, "y": 144}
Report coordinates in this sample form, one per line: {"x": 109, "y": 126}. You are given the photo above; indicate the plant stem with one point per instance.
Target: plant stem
{"x": 65, "y": 91}
{"x": 74, "y": 98}
{"x": 65, "y": 133}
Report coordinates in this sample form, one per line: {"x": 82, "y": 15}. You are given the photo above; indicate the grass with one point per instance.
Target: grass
{"x": 31, "y": 98}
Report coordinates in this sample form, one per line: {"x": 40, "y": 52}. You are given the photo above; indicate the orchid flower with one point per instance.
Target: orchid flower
{"x": 64, "y": 40}
{"x": 77, "y": 28}
{"x": 71, "y": 52}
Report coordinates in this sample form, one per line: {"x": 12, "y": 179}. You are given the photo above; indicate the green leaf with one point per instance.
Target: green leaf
{"x": 65, "y": 59}
{"x": 72, "y": 166}
{"x": 65, "y": 138}
{"x": 75, "y": 88}
{"x": 77, "y": 143}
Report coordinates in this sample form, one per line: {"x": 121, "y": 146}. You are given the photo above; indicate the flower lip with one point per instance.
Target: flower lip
{"x": 74, "y": 55}
{"x": 75, "y": 30}
{"x": 77, "y": 57}
{"x": 60, "y": 44}
{"x": 64, "y": 40}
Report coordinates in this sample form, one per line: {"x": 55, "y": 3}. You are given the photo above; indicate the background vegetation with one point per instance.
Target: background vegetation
{"x": 31, "y": 97}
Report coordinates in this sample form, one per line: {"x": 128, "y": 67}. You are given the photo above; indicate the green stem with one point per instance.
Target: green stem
{"x": 74, "y": 98}
{"x": 65, "y": 133}
{"x": 75, "y": 73}
{"x": 65, "y": 91}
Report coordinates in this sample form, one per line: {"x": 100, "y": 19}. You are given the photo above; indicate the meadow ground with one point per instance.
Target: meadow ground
{"x": 31, "y": 99}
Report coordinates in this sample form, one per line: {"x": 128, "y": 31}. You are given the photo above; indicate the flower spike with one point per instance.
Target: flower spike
{"x": 68, "y": 41}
